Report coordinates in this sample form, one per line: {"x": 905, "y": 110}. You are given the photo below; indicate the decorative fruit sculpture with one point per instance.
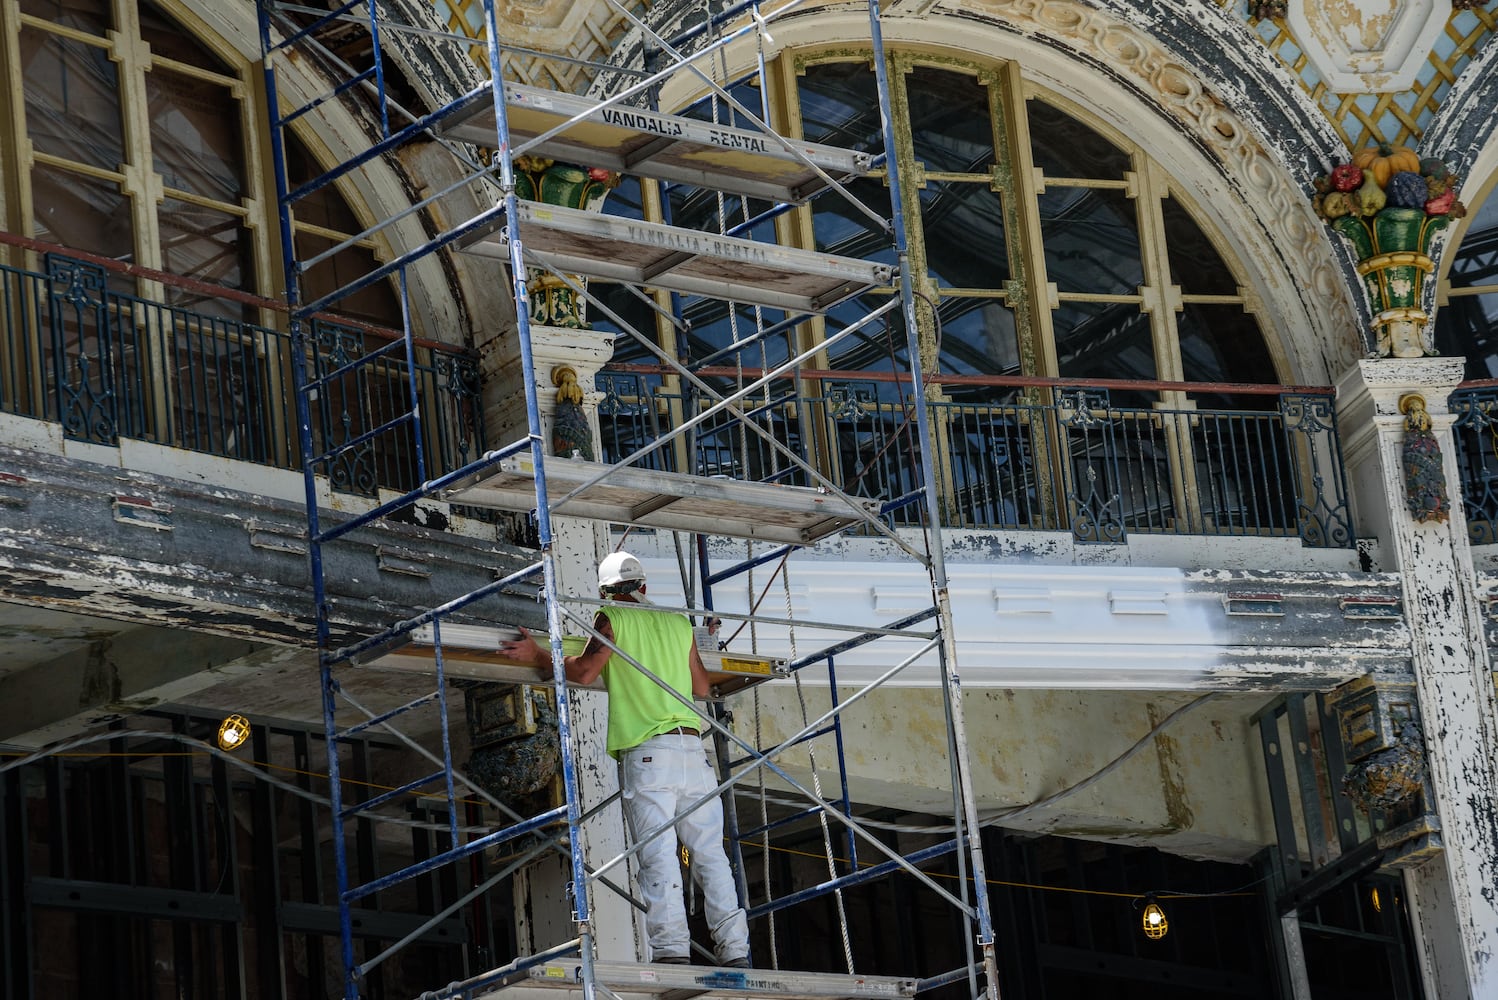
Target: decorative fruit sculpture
{"x": 1337, "y": 204}
{"x": 1347, "y": 177}
{"x": 1407, "y": 189}
{"x": 1441, "y": 204}
{"x": 1434, "y": 168}
{"x": 1386, "y": 160}
{"x": 1370, "y": 197}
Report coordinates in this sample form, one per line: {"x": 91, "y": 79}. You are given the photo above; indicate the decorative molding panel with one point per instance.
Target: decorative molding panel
{"x": 1368, "y": 46}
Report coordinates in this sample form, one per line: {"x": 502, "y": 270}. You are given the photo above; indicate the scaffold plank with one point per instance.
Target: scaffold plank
{"x": 647, "y": 143}
{"x": 630, "y": 979}
{"x": 680, "y": 260}
{"x": 471, "y": 652}
{"x": 675, "y": 501}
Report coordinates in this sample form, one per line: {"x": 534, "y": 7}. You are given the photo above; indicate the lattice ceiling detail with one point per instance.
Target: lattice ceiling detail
{"x": 1400, "y": 118}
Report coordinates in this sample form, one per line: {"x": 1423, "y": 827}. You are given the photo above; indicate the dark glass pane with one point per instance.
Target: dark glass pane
{"x": 1105, "y": 340}
{"x": 196, "y": 144}
{"x": 1222, "y": 343}
{"x": 169, "y": 40}
{"x": 1467, "y": 326}
{"x": 715, "y": 108}
{"x": 1091, "y": 241}
{"x": 91, "y": 16}
{"x": 376, "y": 303}
{"x": 624, "y": 201}
{"x": 629, "y": 308}
{"x": 72, "y": 100}
{"x": 1476, "y": 260}
{"x": 1061, "y": 146}
{"x": 713, "y": 212}
{"x": 204, "y": 244}
{"x": 878, "y": 345}
{"x": 841, "y": 228}
{"x": 714, "y": 327}
{"x": 323, "y": 207}
{"x": 950, "y": 122}
{"x": 1195, "y": 264}
{"x": 964, "y": 226}
{"x": 840, "y": 106}
{"x": 977, "y": 338}
{"x": 82, "y": 213}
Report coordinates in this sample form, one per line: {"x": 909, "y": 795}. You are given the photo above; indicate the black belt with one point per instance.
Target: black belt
{"x": 682, "y": 730}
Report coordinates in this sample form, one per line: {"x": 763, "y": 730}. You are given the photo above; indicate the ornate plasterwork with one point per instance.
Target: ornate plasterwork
{"x": 582, "y": 32}
{"x": 1365, "y": 118}
{"x": 1368, "y": 46}
{"x": 1267, "y": 186}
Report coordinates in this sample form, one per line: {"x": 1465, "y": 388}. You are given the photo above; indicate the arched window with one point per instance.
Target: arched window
{"x": 137, "y": 141}
{"x": 1044, "y": 244}
{"x": 1467, "y": 324}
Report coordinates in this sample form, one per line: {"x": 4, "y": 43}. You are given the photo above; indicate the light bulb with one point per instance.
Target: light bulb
{"x": 1155, "y": 925}
{"x": 233, "y": 731}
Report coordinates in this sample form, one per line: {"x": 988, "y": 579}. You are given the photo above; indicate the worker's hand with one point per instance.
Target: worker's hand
{"x": 525, "y": 652}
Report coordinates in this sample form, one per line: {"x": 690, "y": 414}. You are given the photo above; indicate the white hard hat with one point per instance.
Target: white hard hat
{"x": 619, "y": 567}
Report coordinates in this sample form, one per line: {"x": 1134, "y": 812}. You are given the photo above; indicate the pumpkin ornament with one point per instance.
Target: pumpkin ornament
{"x": 1385, "y": 160}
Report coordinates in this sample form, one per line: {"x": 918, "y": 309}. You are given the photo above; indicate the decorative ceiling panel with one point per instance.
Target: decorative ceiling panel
{"x": 539, "y": 31}
{"x": 1398, "y": 117}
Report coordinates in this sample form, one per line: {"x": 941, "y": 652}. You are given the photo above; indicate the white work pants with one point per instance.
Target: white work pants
{"x": 659, "y": 778}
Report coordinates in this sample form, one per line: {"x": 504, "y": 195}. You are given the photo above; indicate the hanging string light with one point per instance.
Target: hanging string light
{"x": 1154, "y": 923}
{"x": 233, "y": 731}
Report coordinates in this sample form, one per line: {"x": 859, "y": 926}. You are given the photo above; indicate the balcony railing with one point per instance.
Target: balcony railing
{"x": 1072, "y": 460}
{"x": 1475, "y": 406}
{"x": 109, "y": 365}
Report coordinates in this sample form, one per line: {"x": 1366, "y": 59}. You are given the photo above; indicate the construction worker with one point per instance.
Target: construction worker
{"x": 663, "y": 766}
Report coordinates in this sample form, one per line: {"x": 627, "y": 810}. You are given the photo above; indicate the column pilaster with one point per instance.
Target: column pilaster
{"x": 1454, "y": 898}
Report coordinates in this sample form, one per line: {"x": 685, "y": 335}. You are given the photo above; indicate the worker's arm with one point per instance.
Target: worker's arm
{"x": 702, "y": 682}
{"x": 583, "y": 668}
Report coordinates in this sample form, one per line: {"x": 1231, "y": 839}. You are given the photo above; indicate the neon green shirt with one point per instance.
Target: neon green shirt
{"x": 638, "y": 707}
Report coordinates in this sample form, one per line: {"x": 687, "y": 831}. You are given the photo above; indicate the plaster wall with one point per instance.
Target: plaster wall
{"x": 1197, "y": 789}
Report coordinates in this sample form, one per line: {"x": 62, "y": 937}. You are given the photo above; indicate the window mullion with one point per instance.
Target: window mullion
{"x": 1030, "y": 297}
{"x": 1162, "y": 300}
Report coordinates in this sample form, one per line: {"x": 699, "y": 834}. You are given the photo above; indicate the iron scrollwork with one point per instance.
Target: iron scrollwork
{"x": 1476, "y": 433}
{"x": 343, "y": 409}
{"x": 1087, "y": 421}
{"x": 1322, "y": 514}
{"x": 83, "y": 361}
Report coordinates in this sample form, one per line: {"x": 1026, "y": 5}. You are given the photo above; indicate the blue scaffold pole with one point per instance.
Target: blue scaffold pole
{"x": 543, "y": 515}
{"x": 298, "y": 333}
{"x": 951, "y": 681}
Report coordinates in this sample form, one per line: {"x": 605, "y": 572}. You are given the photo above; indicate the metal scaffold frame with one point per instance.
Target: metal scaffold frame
{"x": 520, "y": 476}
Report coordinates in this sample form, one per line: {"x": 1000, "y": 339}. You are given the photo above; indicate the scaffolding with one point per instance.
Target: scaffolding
{"x": 350, "y": 46}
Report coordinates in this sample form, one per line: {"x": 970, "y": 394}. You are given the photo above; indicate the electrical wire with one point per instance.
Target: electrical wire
{"x": 1237, "y": 891}
{"x": 998, "y": 818}
{"x": 254, "y": 768}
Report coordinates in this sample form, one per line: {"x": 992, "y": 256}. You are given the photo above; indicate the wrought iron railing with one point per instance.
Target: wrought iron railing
{"x": 1071, "y": 460}
{"x": 1476, "y": 431}
{"x": 106, "y": 365}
